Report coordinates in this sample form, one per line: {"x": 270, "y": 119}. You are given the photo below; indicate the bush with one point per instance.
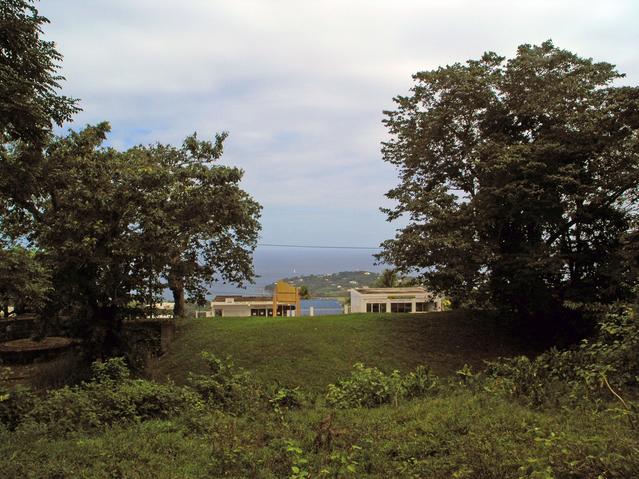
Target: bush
{"x": 610, "y": 358}
{"x": 370, "y": 387}
{"x": 14, "y": 403}
{"x": 226, "y": 387}
{"x": 286, "y": 399}
{"x": 111, "y": 397}
{"x": 114, "y": 369}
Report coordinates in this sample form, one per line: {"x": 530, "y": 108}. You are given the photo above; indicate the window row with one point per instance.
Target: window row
{"x": 400, "y": 307}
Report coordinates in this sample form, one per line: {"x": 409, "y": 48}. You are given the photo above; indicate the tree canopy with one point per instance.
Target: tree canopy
{"x": 30, "y": 102}
{"x": 29, "y": 76}
{"x": 95, "y": 234}
{"x": 206, "y": 225}
{"x": 519, "y": 179}
{"x": 113, "y": 224}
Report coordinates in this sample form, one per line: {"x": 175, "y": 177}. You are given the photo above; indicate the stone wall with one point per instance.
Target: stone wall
{"x": 11, "y": 329}
{"x": 155, "y": 335}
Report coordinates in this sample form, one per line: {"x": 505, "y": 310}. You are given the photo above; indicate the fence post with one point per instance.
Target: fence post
{"x": 311, "y": 311}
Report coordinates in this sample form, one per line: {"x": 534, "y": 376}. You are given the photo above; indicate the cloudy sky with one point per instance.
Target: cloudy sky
{"x": 300, "y": 85}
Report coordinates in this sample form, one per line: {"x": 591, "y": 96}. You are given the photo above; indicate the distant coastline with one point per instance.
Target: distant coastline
{"x": 331, "y": 285}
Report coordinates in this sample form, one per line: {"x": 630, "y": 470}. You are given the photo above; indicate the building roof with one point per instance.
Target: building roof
{"x": 407, "y": 290}
{"x": 243, "y": 299}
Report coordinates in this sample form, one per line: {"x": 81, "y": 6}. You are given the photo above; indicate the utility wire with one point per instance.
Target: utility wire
{"x": 318, "y": 246}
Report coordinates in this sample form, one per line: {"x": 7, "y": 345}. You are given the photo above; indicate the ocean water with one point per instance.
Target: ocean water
{"x": 272, "y": 264}
{"x": 321, "y": 307}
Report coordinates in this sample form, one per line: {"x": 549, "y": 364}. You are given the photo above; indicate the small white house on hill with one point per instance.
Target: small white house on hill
{"x": 394, "y": 300}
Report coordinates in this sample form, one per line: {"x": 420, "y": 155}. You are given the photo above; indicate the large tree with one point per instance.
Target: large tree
{"x": 519, "y": 179}
{"x": 206, "y": 225}
{"x": 104, "y": 264}
{"x": 115, "y": 226}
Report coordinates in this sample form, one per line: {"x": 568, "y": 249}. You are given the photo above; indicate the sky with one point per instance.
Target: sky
{"x": 300, "y": 86}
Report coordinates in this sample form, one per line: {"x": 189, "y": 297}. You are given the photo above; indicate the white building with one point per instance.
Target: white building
{"x": 238, "y": 306}
{"x": 394, "y": 300}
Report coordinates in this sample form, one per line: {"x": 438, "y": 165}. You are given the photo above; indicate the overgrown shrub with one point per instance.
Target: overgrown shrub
{"x": 593, "y": 368}
{"x": 100, "y": 404}
{"x": 370, "y": 387}
{"x": 110, "y": 397}
{"x": 115, "y": 369}
{"x": 227, "y": 386}
{"x": 14, "y": 403}
{"x": 286, "y": 399}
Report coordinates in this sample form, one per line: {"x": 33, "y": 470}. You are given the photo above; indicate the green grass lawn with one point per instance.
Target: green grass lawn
{"x": 463, "y": 430}
{"x": 312, "y": 352}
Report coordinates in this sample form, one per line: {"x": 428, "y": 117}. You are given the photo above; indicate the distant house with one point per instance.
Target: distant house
{"x": 393, "y": 300}
{"x": 237, "y": 305}
{"x": 284, "y": 302}
{"x": 163, "y": 310}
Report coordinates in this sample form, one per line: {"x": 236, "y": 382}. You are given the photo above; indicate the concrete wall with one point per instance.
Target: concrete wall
{"x": 157, "y": 336}
{"x": 11, "y": 329}
{"x": 154, "y": 335}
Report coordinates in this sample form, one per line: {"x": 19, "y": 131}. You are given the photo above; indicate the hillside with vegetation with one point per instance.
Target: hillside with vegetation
{"x": 312, "y": 352}
{"x": 332, "y": 284}
{"x": 315, "y": 399}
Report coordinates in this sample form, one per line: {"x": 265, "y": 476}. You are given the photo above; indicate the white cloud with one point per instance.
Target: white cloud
{"x": 300, "y": 86}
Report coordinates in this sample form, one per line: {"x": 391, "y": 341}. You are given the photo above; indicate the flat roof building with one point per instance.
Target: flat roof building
{"x": 284, "y": 302}
{"x": 414, "y": 299}
{"x": 242, "y": 305}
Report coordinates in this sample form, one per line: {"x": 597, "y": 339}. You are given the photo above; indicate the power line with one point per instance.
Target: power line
{"x": 318, "y": 246}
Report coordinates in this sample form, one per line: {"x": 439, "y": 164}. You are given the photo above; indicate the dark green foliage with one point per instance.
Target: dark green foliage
{"x": 97, "y": 405}
{"x": 226, "y": 386}
{"x": 206, "y": 226}
{"x": 28, "y": 76}
{"x": 112, "y": 370}
{"x": 518, "y": 178}
{"x": 598, "y": 368}
{"x": 103, "y": 262}
{"x": 24, "y": 280}
{"x": 15, "y": 403}
{"x": 461, "y": 434}
{"x": 287, "y": 399}
{"x": 370, "y": 387}
{"x": 304, "y": 294}
{"x": 116, "y": 227}
{"x": 387, "y": 279}
{"x": 110, "y": 397}
{"x": 29, "y": 107}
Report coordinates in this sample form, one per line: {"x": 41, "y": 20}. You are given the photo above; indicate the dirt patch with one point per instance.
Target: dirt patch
{"x": 26, "y": 344}
{"x": 27, "y": 350}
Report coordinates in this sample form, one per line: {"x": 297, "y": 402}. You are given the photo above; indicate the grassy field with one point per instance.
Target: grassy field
{"x": 314, "y": 351}
{"x": 464, "y": 429}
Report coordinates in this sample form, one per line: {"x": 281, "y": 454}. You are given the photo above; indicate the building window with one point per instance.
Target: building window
{"x": 260, "y": 312}
{"x": 401, "y": 307}
{"x": 285, "y": 309}
{"x": 425, "y": 306}
{"x": 218, "y": 312}
{"x": 376, "y": 307}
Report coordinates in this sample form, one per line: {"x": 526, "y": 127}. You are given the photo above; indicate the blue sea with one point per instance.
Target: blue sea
{"x": 321, "y": 307}
{"x": 272, "y": 264}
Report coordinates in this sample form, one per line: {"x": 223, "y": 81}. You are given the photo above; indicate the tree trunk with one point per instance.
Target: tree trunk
{"x": 178, "y": 298}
